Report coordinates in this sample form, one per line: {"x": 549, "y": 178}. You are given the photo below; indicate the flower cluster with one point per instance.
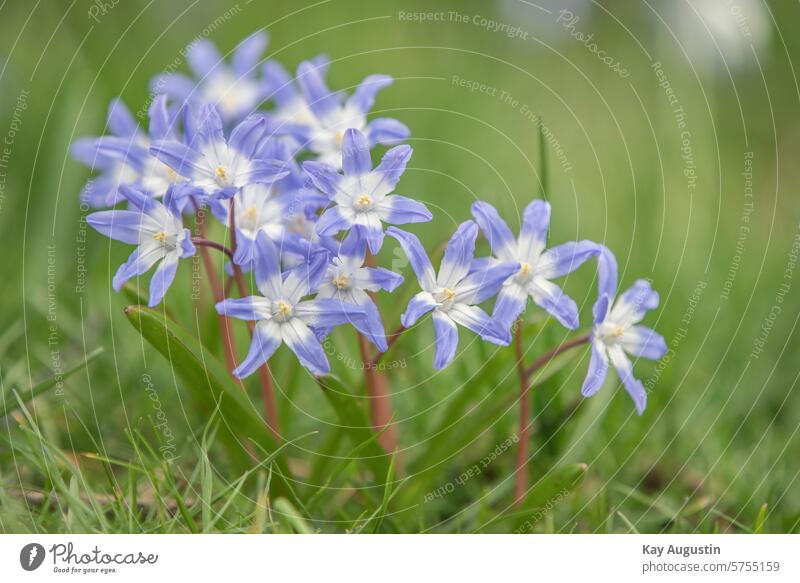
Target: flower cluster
{"x": 286, "y": 167}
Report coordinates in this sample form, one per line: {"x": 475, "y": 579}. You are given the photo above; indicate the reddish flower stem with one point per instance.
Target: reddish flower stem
{"x": 228, "y": 342}
{"x": 521, "y": 470}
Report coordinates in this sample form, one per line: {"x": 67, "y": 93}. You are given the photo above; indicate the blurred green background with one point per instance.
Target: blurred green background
{"x": 703, "y": 202}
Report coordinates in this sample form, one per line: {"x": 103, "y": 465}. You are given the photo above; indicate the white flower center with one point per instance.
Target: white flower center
{"x": 610, "y": 332}
{"x": 364, "y": 203}
{"x": 221, "y": 175}
{"x": 525, "y": 272}
{"x": 445, "y": 296}
{"x": 282, "y": 311}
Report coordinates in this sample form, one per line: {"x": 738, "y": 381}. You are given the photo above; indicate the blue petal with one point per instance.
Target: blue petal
{"x": 510, "y": 304}
{"x": 371, "y": 325}
{"x": 600, "y": 309}
{"x": 246, "y": 136}
{"x": 353, "y": 247}
{"x": 120, "y": 120}
{"x": 391, "y": 168}
{"x": 446, "y": 334}
{"x": 458, "y": 255}
{"x": 420, "y": 304}
{"x": 381, "y": 278}
{"x": 266, "y": 340}
{"x": 387, "y": 131}
{"x": 249, "y": 308}
{"x": 119, "y": 225}
{"x": 606, "y": 273}
{"x": 301, "y": 340}
{"x": 323, "y": 176}
{"x": 139, "y": 199}
{"x": 304, "y": 279}
{"x": 175, "y": 85}
{"x": 643, "y": 342}
{"x": 327, "y": 312}
{"x": 248, "y": 52}
{"x": 598, "y": 370}
{"x": 400, "y": 210}
{"x": 162, "y": 125}
{"x": 566, "y": 258}
{"x": 268, "y": 267}
{"x": 479, "y": 286}
{"x": 355, "y": 153}
{"x": 496, "y": 231}
{"x": 417, "y": 256}
{"x": 180, "y": 157}
{"x": 208, "y": 130}
{"x": 475, "y": 319}
{"x": 331, "y": 222}
{"x": 533, "y": 233}
{"x": 364, "y": 96}
{"x": 163, "y": 278}
{"x": 279, "y": 85}
{"x": 202, "y": 57}
{"x": 316, "y": 92}
{"x": 634, "y": 303}
{"x": 138, "y": 263}
{"x": 554, "y": 301}
{"x": 265, "y": 171}
{"x": 373, "y": 233}
{"x": 625, "y": 371}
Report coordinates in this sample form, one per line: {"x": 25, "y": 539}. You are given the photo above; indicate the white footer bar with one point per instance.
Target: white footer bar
{"x": 401, "y": 558}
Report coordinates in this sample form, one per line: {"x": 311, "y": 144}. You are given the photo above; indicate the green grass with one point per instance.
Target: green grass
{"x": 716, "y": 450}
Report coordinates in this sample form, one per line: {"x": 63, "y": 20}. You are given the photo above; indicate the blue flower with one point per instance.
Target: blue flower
{"x": 235, "y": 88}
{"x": 158, "y": 231}
{"x": 349, "y": 280}
{"x": 280, "y": 210}
{"x": 123, "y": 157}
{"x": 616, "y": 333}
{"x": 323, "y": 133}
{"x": 537, "y": 265}
{"x": 281, "y": 313}
{"x": 453, "y": 294}
{"x": 217, "y": 166}
{"x": 362, "y": 195}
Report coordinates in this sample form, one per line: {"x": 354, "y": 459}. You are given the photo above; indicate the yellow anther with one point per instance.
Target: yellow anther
{"x": 222, "y": 173}
{"x": 449, "y": 294}
{"x": 341, "y": 281}
{"x": 339, "y": 138}
{"x": 251, "y": 212}
{"x": 364, "y": 202}
{"x": 525, "y": 269}
{"x": 161, "y": 236}
{"x": 283, "y": 309}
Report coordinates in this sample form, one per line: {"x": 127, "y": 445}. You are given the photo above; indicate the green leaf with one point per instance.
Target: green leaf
{"x": 356, "y": 425}
{"x": 761, "y": 520}
{"x": 209, "y": 382}
{"x": 46, "y": 385}
{"x": 541, "y": 500}
{"x": 290, "y": 518}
